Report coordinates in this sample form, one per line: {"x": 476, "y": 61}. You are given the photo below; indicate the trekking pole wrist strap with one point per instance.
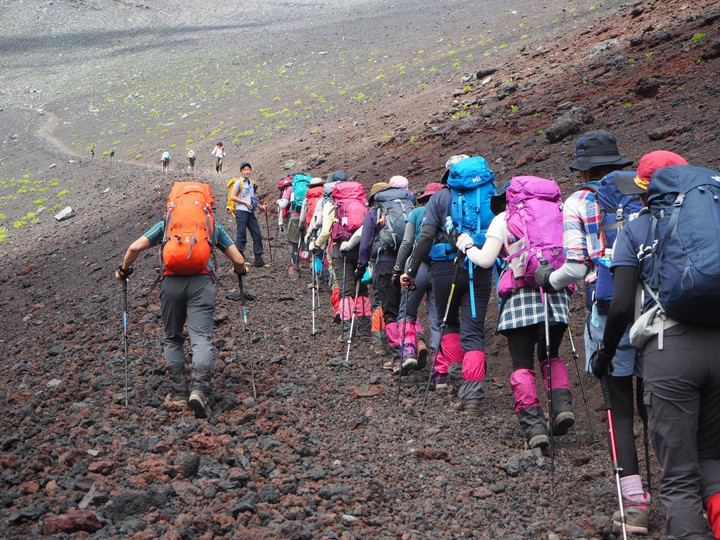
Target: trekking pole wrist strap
{"x": 125, "y": 273}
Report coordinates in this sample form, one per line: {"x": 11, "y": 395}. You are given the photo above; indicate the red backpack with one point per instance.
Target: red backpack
{"x": 350, "y": 209}
{"x": 189, "y": 230}
{"x": 312, "y": 197}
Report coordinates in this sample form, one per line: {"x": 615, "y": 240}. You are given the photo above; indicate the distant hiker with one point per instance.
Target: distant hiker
{"x": 463, "y": 343}
{"x": 92, "y": 152}
{"x": 298, "y": 189}
{"x": 670, "y": 252}
{"x": 191, "y": 159}
{"x": 165, "y": 160}
{"x": 246, "y": 202}
{"x": 423, "y": 285}
{"x": 598, "y": 160}
{"x": 382, "y": 232}
{"x": 112, "y": 153}
{"x": 219, "y": 154}
{"x": 187, "y": 287}
{"x": 532, "y": 223}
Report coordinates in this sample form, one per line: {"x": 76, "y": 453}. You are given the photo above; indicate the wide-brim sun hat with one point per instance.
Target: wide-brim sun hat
{"x": 430, "y": 189}
{"x": 597, "y": 149}
{"x": 376, "y": 188}
{"x": 317, "y": 181}
{"x": 648, "y": 164}
{"x": 399, "y": 182}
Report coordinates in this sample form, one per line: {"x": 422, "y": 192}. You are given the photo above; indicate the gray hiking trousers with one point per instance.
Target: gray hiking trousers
{"x": 682, "y": 395}
{"x": 191, "y": 300}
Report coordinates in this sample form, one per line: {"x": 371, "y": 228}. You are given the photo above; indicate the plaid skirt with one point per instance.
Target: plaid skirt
{"x": 525, "y": 308}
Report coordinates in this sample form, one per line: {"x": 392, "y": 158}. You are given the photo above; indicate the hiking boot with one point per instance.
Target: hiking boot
{"x": 469, "y": 407}
{"x": 409, "y": 363}
{"x": 336, "y": 318}
{"x": 390, "y": 365}
{"x": 422, "y": 354}
{"x": 181, "y": 400}
{"x": 259, "y": 261}
{"x": 440, "y": 380}
{"x": 636, "y": 514}
{"x": 533, "y": 423}
{"x": 380, "y": 349}
{"x": 562, "y": 407}
{"x": 537, "y": 441}
{"x": 198, "y": 404}
{"x": 364, "y": 326}
{"x": 563, "y": 422}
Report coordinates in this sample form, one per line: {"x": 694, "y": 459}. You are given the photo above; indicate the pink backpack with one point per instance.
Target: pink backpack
{"x": 350, "y": 209}
{"x": 535, "y": 231}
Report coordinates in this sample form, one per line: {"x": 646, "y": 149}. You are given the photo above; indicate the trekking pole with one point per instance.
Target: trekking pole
{"x": 125, "y": 336}
{"x": 267, "y": 228}
{"x": 314, "y": 304}
{"x": 459, "y": 260}
{"x": 402, "y": 346}
{"x": 546, "y": 310}
{"x": 352, "y": 322}
{"x": 582, "y": 384}
{"x": 613, "y": 452}
{"x": 247, "y": 336}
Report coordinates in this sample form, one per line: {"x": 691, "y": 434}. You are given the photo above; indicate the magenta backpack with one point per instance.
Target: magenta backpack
{"x": 535, "y": 231}
{"x": 350, "y": 209}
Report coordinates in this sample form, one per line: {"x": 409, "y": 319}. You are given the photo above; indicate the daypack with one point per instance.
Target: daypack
{"x": 189, "y": 230}
{"x": 535, "y": 228}
{"x": 350, "y": 209}
{"x": 230, "y": 203}
{"x": 394, "y": 206}
{"x": 684, "y": 204}
{"x": 471, "y": 187}
{"x": 166, "y": 156}
{"x": 299, "y": 189}
{"x": 616, "y": 210}
{"x": 312, "y": 197}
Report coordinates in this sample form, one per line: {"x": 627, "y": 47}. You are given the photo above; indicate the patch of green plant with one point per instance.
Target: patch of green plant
{"x": 628, "y": 105}
{"x": 40, "y": 201}
{"x": 698, "y": 36}
{"x": 459, "y": 115}
{"x": 138, "y": 156}
{"x": 541, "y": 132}
{"x": 514, "y": 108}
{"x": 467, "y": 88}
{"x": 19, "y": 224}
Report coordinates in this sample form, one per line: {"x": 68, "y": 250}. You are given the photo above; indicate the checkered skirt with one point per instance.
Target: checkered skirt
{"x": 525, "y": 308}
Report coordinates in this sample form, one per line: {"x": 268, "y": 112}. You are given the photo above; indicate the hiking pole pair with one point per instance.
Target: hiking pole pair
{"x": 459, "y": 261}
{"x": 267, "y": 227}
{"x": 582, "y": 384}
{"x": 247, "y": 335}
{"x": 613, "y": 452}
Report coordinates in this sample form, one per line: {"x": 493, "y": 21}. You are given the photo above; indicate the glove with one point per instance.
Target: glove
{"x": 542, "y": 276}
{"x": 397, "y": 272}
{"x": 359, "y": 273}
{"x": 345, "y": 246}
{"x": 312, "y": 246}
{"x": 243, "y": 273}
{"x": 282, "y": 203}
{"x": 464, "y": 242}
{"x": 601, "y": 362}
{"x": 282, "y": 228}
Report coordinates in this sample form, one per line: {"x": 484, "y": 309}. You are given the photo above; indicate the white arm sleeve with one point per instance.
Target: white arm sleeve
{"x": 566, "y": 274}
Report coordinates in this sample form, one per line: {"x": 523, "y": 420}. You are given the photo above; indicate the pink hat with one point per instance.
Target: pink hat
{"x": 399, "y": 182}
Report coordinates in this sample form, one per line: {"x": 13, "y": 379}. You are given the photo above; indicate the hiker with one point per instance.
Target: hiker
{"x": 381, "y": 237}
{"x": 246, "y": 202}
{"x": 191, "y": 159}
{"x": 597, "y": 156}
{"x": 423, "y": 285}
{"x": 317, "y": 228}
{"x": 92, "y": 152}
{"x": 294, "y": 201}
{"x": 682, "y": 364}
{"x": 165, "y": 160}
{"x": 283, "y": 203}
{"x": 219, "y": 154}
{"x": 312, "y": 198}
{"x": 532, "y": 221}
{"x": 112, "y": 153}
{"x": 187, "y": 295}
{"x": 462, "y": 346}
{"x": 340, "y": 221}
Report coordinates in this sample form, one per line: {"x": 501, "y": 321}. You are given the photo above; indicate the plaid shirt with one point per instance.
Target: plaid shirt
{"x": 584, "y": 243}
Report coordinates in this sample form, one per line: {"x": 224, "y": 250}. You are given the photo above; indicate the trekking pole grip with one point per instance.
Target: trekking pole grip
{"x": 606, "y": 392}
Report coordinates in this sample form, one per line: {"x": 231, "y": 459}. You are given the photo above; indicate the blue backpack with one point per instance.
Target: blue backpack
{"x": 684, "y": 203}
{"x": 471, "y": 187}
{"x": 300, "y": 184}
{"x": 616, "y": 210}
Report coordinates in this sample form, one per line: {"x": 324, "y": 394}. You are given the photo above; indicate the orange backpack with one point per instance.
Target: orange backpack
{"x": 189, "y": 230}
